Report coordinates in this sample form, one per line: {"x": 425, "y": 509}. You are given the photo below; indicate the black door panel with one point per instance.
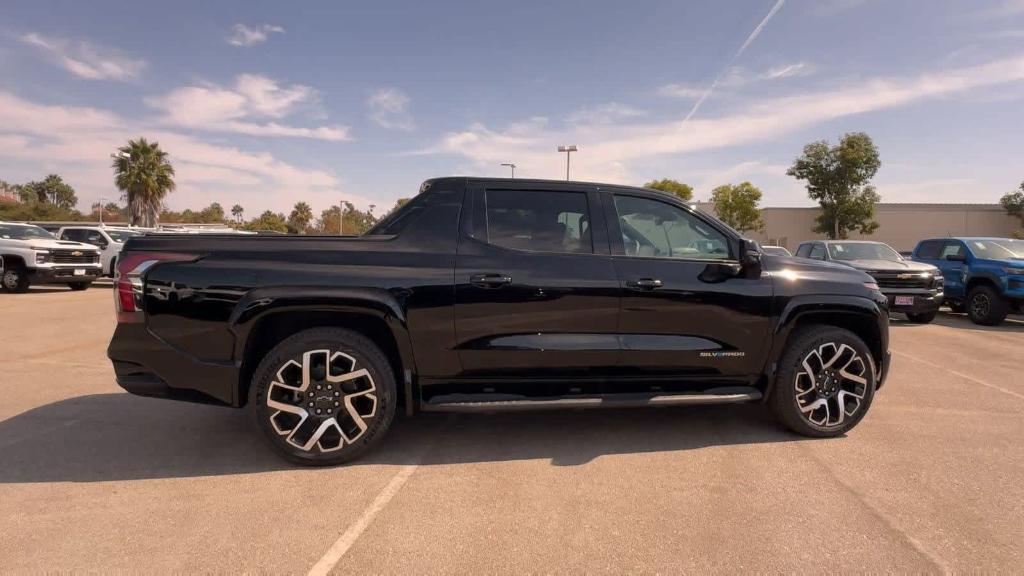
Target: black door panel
{"x": 541, "y": 304}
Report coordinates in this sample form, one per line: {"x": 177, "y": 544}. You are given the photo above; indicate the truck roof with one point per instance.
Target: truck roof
{"x": 430, "y": 182}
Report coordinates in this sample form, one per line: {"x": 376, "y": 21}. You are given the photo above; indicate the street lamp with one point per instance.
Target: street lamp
{"x": 568, "y": 152}
{"x": 341, "y": 217}
{"x": 512, "y": 166}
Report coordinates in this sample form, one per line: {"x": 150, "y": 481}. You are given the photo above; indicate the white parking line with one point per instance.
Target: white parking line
{"x": 342, "y": 544}
{"x": 962, "y": 375}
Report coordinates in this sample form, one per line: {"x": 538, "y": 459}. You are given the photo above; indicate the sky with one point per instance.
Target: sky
{"x": 268, "y": 103}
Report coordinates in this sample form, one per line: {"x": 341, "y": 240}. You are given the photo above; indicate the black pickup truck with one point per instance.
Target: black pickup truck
{"x": 495, "y": 294}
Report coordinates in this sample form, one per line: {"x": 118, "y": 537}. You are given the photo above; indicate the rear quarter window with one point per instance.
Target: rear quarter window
{"x": 928, "y": 250}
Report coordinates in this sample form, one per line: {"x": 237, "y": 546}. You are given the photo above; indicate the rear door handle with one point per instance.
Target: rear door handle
{"x": 644, "y": 284}
{"x": 492, "y": 280}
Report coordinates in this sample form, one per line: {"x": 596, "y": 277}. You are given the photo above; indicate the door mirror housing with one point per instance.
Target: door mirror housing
{"x": 956, "y": 257}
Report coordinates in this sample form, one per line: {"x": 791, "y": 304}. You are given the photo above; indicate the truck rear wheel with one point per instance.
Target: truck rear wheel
{"x": 77, "y": 286}
{"x": 15, "y": 279}
{"x": 986, "y": 307}
{"x": 825, "y": 382}
{"x": 323, "y": 396}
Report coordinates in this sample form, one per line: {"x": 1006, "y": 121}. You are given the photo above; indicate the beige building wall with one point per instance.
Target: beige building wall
{"x": 899, "y": 225}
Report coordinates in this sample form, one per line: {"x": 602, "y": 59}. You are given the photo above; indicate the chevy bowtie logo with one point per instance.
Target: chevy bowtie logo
{"x": 904, "y": 276}
{"x": 76, "y": 253}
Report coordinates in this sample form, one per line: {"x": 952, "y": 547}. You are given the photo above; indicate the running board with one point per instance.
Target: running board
{"x": 515, "y": 403}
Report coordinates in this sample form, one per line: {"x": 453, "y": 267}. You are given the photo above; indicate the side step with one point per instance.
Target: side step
{"x": 515, "y": 403}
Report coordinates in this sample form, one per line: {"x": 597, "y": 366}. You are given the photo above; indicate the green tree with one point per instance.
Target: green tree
{"x": 736, "y": 205}
{"x": 300, "y": 218}
{"x": 268, "y": 221}
{"x": 838, "y": 177}
{"x": 144, "y": 174}
{"x": 237, "y": 212}
{"x": 1014, "y": 204}
{"x": 683, "y": 191}
{"x": 212, "y": 214}
{"x": 356, "y": 221}
{"x": 52, "y": 190}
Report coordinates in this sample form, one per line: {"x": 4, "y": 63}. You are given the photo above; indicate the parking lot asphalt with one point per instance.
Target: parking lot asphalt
{"x": 93, "y": 479}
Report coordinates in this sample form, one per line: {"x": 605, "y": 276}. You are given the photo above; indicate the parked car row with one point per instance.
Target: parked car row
{"x": 981, "y": 276}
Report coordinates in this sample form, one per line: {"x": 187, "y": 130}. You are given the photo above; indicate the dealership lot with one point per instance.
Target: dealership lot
{"x": 94, "y": 479}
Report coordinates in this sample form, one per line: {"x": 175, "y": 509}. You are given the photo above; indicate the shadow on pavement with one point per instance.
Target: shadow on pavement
{"x": 106, "y": 437}
{"x": 1013, "y": 323}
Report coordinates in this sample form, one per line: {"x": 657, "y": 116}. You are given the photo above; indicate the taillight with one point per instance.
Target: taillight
{"x": 128, "y": 280}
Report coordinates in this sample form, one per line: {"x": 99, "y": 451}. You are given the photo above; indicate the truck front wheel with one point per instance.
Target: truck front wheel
{"x": 15, "y": 279}
{"x": 986, "y": 307}
{"x": 825, "y": 382}
{"x": 323, "y": 396}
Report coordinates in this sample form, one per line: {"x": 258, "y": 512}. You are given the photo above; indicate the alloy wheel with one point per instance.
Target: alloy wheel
{"x": 323, "y": 402}
{"x": 981, "y": 305}
{"x": 831, "y": 384}
{"x": 11, "y": 279}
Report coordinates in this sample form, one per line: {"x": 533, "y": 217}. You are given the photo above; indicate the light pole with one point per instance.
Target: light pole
{"x": 512, "y": 166}
{"x": 101, "y": 210}
{"x": 341, "y": 217}
{"x": 568, "y": 152}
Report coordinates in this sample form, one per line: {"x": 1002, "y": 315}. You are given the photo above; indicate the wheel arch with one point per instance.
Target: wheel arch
{"x": 267, "y": 316}
{"x": 982, "y": 279}
{"x": 13, "y": 259}
{"x": 860, "y": 316}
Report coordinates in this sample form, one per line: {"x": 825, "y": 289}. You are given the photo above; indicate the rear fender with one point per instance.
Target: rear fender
{"x": 262, "y": 303}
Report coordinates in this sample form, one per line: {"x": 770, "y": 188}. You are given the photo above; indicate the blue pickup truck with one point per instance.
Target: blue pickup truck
{"x": 983, "y": 276}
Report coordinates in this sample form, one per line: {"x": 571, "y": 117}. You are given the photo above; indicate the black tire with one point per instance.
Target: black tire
{"x": 351, "y": 413}
{"x": 79, "y": 286}
{"x": 986, "y": 307}
{"x": 787, "y": 398}
{"x": 15, "y": 279}
{"x": 922, "y": 318}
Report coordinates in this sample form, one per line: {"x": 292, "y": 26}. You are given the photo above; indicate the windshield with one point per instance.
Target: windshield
{"x": 120, "y": 235}
{"x": 997, "y": 249}
{"x": 22, "y": 232}
{"x": 862, "y": 251}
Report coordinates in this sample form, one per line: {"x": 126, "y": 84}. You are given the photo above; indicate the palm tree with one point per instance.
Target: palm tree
{"x": 299, "y": 219}
{"x": 143, "y": 172}
{"x": 236, "y": 211}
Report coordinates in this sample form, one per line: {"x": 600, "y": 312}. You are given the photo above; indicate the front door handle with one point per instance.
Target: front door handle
{"x": 490, "y": 280}
{"x": 644, "y": 284}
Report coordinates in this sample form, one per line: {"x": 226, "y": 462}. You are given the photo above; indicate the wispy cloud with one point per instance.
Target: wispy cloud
{"x": 253, "y": 106}
{"x": 85, "y": 59}
{"x": 604, "y": 114}
{"x": 735, "y": 77}
{"x": 244, "y": 35}
{"x": 389, "y": 108}
{"x": 743, "y": 48}
{"x": 607, "y": 149}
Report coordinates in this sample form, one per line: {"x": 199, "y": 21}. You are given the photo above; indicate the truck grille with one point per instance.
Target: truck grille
{"x": 909, "y": 280}
{"x": 74, "y": 257}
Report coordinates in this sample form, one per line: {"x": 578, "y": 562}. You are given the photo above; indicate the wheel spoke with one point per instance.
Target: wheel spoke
{"x": 323, "y": 402}
{"x": 832, "y": 385}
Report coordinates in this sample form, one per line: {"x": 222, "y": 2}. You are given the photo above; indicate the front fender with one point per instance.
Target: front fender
{"x": 836, "y": 309}
{"x": 262, "y": 303}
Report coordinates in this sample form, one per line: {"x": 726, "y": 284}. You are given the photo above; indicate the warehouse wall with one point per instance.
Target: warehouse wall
{"x": 899, "y": 225}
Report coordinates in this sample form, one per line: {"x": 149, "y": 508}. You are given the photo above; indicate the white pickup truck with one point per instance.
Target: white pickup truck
{"x": 108, "y": 239}
{"x": 32, "y": 255}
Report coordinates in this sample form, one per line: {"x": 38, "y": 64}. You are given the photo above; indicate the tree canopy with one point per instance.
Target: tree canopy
{"x": 300, "y": 218}
{"x": 838, "y": 178}
{"x": 268, "y": 221}
{"x": 144, "y": 174}
{"x": 737, "y": 206}
{"x": 683, "y": 191}
{"x": 1014, "y": 204}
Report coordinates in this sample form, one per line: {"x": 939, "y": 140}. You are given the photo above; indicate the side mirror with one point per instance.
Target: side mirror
{"x": 956, "y": 257}
{"x": 750, "y": 254}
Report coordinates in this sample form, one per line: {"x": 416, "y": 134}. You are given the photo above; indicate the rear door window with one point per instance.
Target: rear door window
{"x": 950, "y": 248}
{"x": 817, "y": 252}
{"x": 539, "y": 221}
